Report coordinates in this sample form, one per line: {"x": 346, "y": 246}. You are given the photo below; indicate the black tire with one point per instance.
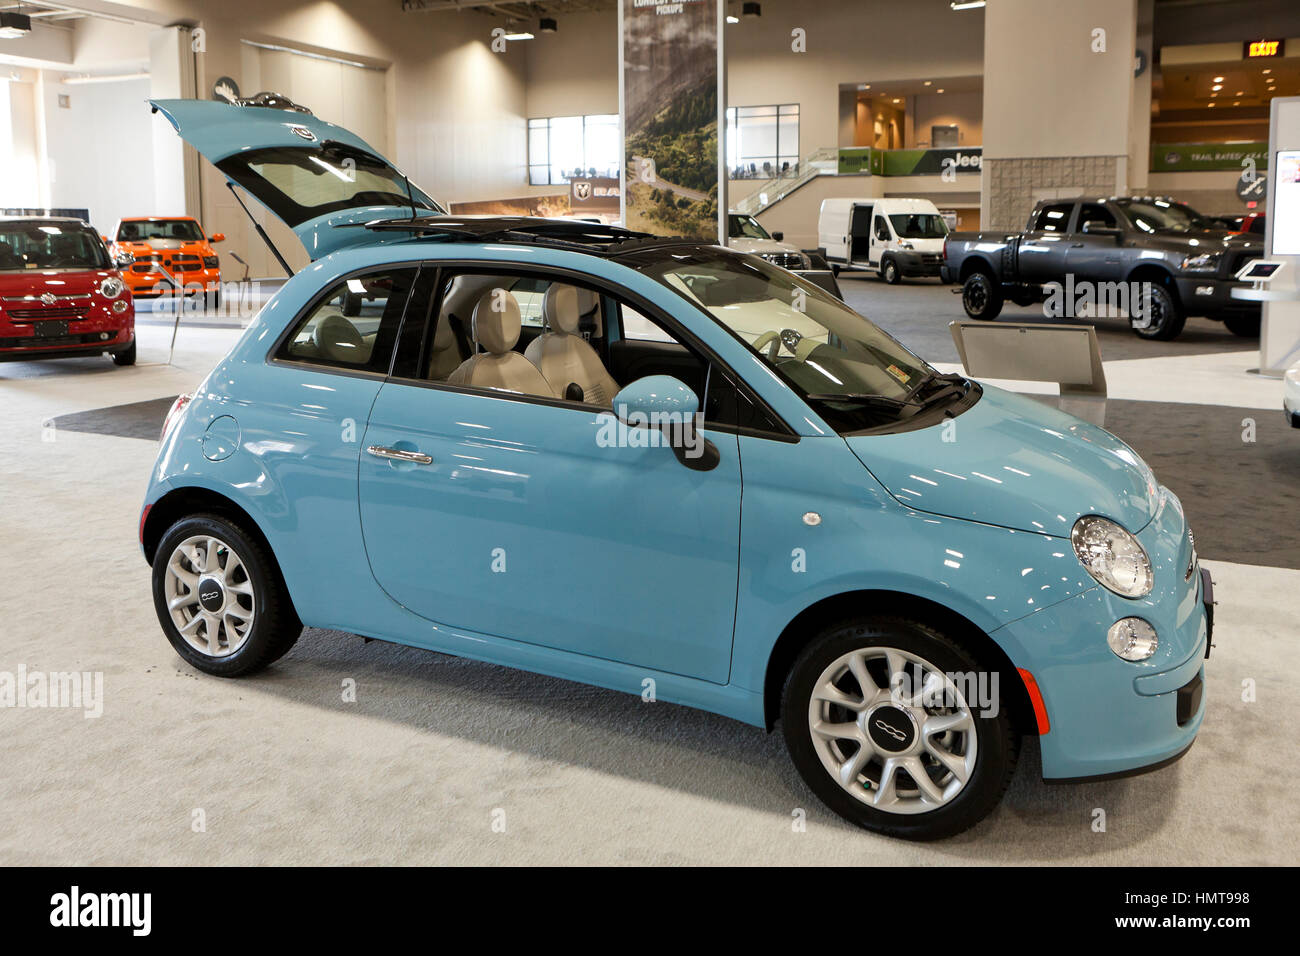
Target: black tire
{"x": 126, "y": 356}
{"x": 997, "y": 743}
{"x": 981, "y": 297}
{"x": 889, "y": 271}
{"x": 1161, "y": 316}
{"x": 1246, "y": 326}
{"x": 275, "y": 626}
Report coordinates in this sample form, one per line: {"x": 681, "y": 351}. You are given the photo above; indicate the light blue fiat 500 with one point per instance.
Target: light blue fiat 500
{"x": 669, "y": 469}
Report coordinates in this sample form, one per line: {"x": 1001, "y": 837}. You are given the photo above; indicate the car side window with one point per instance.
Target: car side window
{"x": 354, "y": 325}
{"x": 882, "y": 229}
{"x": 1095, "y": 212}
{"x": 1054, "y": 217}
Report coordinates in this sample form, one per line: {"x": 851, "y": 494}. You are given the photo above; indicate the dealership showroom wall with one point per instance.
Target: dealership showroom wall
{"x": 453, "y": 743}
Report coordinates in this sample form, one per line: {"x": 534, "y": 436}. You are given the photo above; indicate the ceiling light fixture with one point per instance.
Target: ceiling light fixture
{"x": 928, "y": 83}
{"x": 14, "y": 25}
{"x": 547, "y": 25}
{"x": 1218, "y": 79}
{"x": 966, "y": 4}
{"x": 732, "y": 19}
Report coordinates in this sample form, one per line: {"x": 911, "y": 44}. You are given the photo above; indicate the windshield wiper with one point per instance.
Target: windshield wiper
{"x": 861, "y": 398}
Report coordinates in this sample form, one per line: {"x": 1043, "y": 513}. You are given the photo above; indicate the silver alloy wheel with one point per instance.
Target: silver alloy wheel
{"x": 210, "y": 595}
{"x": 893, "y": 730}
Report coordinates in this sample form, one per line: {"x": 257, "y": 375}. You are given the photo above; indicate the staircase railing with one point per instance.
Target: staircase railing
{"x": 817, "y": 163}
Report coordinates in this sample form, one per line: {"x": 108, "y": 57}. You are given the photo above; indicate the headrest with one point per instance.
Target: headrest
{"x": 496, "y": 321}
{"x": 560, "y": 308}
{"x": 337, "y": 339}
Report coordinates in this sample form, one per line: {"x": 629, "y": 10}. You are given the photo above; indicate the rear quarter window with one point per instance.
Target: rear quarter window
{"x": 353, "y": 325}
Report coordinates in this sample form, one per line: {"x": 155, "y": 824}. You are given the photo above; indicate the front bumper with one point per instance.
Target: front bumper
{"x": 1109, "y": 716}
{"x": 918, "y": 263}
{"x": 148, "y": 285}
{"x": 1212, "y": 296}
{"x": 99, "y": 331}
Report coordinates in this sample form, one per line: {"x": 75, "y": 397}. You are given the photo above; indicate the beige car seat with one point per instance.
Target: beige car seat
{"x": 337, "y": 339}
{"x": 496, "y": 328}
{"x": 446, "y": 356}
{"x": 564, "y": 357}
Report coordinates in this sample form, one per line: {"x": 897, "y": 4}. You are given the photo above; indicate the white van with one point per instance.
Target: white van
{"x": 894, "y": 237}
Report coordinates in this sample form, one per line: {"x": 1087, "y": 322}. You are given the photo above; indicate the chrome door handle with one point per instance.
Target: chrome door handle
{"x": 398, "y": 454}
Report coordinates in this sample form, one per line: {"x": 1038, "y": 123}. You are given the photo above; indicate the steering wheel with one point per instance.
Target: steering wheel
{"x": 772, "y": 340}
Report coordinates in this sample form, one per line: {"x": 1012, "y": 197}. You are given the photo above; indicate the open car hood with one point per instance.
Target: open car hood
{"x": 1015, "y": 462}
{"x": 312, "y": 175}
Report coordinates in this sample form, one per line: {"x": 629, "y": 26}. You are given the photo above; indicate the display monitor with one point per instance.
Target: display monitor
{"x": 1286, "y": 203}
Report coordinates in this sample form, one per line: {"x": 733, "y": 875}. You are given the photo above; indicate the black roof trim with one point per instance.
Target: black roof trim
{"x": 590, "y": 237}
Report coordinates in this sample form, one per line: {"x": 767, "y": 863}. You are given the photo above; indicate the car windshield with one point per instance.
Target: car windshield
{"x": 919, "y": 226}
{"x": 142, "y": 230}
{"x": 855, "y": 375}
{"x": 746, "y": 227}
{"x": 36, "y": 244}
{"x": 298, "y": 184}
{"x": 1157, "y": 215}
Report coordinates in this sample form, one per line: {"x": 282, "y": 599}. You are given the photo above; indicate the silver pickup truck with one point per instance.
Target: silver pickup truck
{"x": 1160, "y": 260}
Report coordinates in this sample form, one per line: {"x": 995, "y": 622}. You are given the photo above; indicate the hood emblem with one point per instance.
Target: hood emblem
{"x": 49, "y": 298}
{"x": 303, "y": 132}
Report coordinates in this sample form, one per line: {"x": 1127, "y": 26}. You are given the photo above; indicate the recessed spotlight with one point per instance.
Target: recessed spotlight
{"x": 928, "y": 83}
{"x": 897, "y": 100}
{"x": 1216, "y": 87}
{"x": 939, "y": 91}
{"x": 1211, "y": 106}
{"x": 1241, "y": 93}
{"x": 1236, "y": 102}
{"x": 732, "y": 19}
{"x": 1218, "y": 79}
{"x": 1267, "y": 72}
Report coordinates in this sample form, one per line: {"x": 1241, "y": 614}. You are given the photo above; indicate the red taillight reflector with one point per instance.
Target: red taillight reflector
{"x": 1036, "y": 698}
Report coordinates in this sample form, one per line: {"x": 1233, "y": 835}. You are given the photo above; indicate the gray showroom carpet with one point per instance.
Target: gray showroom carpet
{"x": 917, "y": 313}
{"x": 134, "y": 420}
{"x": 1241, "y": 497}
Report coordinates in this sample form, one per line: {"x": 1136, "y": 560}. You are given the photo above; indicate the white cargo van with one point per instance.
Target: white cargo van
{"x": 893, "y": 237}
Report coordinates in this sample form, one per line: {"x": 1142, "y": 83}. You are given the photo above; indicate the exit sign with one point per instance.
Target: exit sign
{"x": 1263, "y": 48}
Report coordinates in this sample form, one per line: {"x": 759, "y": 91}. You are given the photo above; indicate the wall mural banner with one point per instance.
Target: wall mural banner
{"x": 671, "y": 92}
{"x": 858, "y": 160}
{"x": 1192, "y": 157}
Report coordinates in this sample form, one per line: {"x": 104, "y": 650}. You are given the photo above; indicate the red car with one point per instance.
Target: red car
{"x": 60, "y": 293}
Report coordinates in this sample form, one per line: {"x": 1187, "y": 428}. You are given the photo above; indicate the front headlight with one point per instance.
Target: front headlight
{"x": 112, "y": 287}
{"x": 1202, "y": 262}
{"x": 1113, "y": 556}
{"x": 904, "y": 244}
{"x": 211, "y": 262}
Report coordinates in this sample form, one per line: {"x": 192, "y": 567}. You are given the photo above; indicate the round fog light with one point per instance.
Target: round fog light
{"x": 119, "y": 306}
{"x": 1132, "y": 638}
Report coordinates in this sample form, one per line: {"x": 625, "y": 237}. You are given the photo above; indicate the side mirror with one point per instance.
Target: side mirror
{"x": 123, "y": 260}
{"x": 217, "y": 237}
{"x": 669, "y": 408}
{"x": 779, "y": 236}
{"x": 1095, "y": 227}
